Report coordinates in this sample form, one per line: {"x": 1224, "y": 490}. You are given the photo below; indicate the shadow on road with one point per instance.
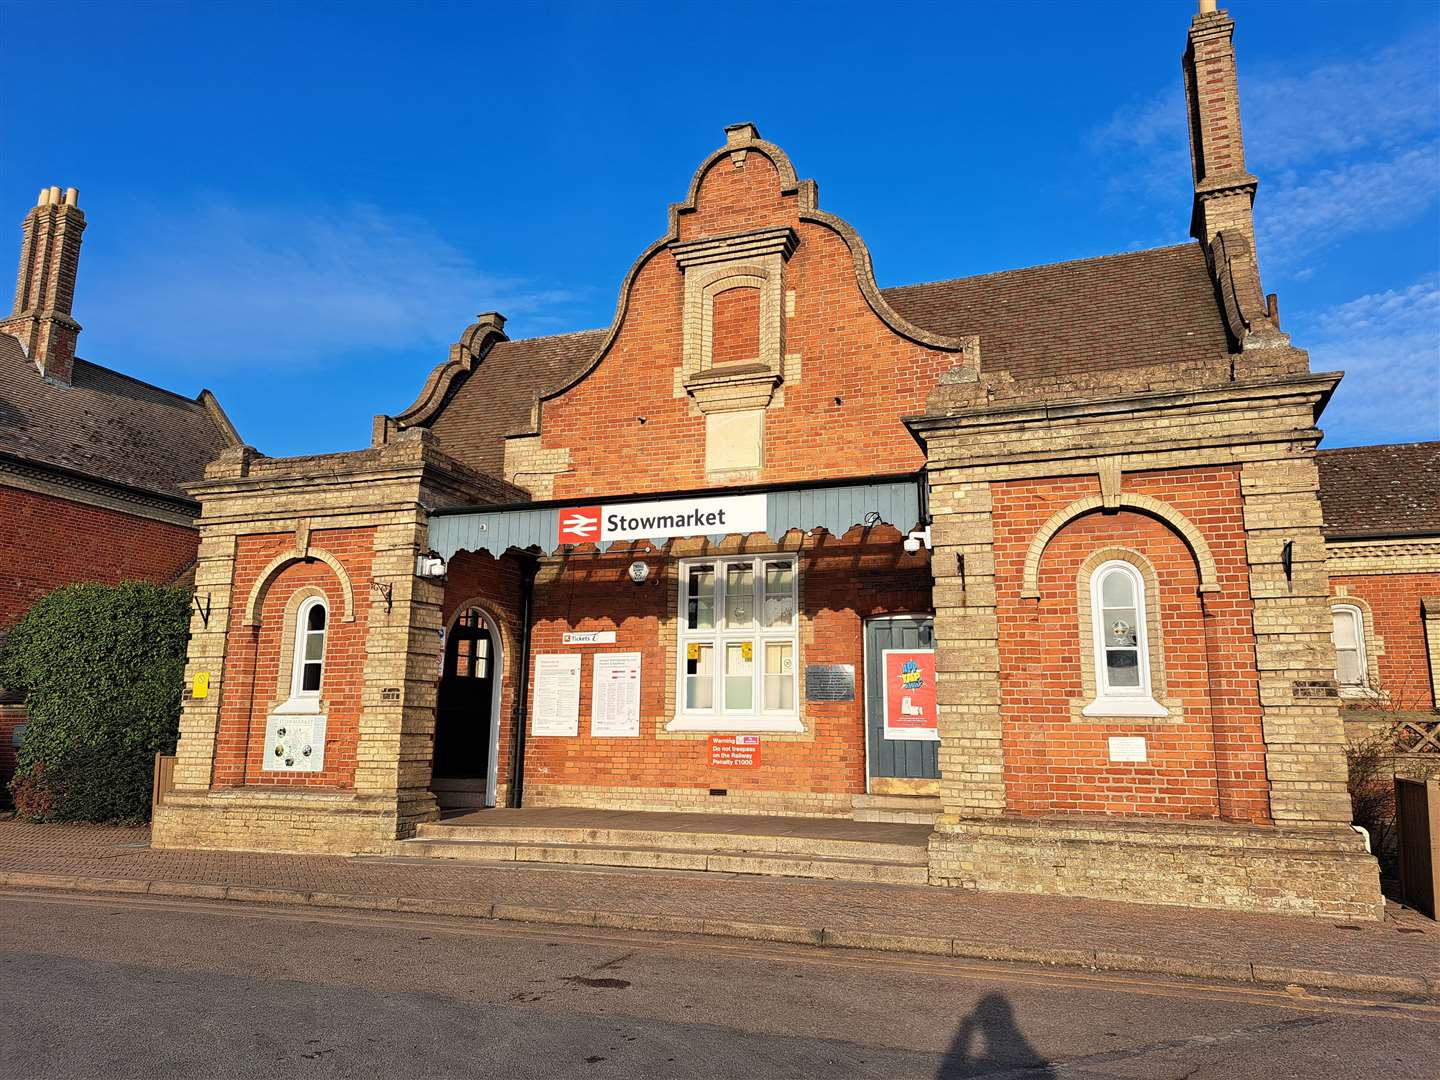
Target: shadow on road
{"x": 988, "y": 1042}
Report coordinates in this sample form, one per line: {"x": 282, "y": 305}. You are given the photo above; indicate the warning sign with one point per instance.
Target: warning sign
{"x": 910, "y": 706}
{"x": 734, "y": 751}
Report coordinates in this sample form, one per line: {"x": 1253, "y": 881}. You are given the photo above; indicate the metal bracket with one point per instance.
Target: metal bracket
{"x": 203, "y": 612}
{"x": 386, "y": 591}
{"x": 1287, "y": 562}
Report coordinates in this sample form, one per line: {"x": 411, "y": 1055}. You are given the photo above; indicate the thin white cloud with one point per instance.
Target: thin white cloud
{"x": 1388, "y": 345}
{"x": 268, "y": 286}
{"x": 1344, "y": 148}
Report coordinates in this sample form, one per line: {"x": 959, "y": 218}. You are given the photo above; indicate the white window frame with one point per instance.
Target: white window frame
{"x": 302, "y": 700}
{"x": 1361, "y": 648}
{"x": 758, "y": 718}
{"x": 1121, "y": 700}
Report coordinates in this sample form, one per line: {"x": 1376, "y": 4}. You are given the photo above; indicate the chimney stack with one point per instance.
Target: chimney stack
{"x": 1224, "y": 191}
{"x": 45, "y": 286}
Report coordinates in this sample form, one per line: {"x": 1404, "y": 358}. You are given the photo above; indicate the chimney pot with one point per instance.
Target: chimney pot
{"x": 72, "y": 197}
{"x": 54, "y": 196}
{"x": 1207, "y": 7}
{"x": 43, "y": 197}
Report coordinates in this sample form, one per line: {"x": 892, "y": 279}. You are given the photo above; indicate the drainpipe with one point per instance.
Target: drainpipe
{"x": 517, "y": 759}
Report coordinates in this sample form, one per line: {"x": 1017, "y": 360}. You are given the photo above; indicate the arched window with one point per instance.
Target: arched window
{"x": 1122, "y": 651}
{"x": 309, "y": 665}
{"x": 1348, "y": 634}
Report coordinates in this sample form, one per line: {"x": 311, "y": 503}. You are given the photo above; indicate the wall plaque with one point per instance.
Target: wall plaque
{"x": 829, "y": 682}
{"x": 294, "y": 743}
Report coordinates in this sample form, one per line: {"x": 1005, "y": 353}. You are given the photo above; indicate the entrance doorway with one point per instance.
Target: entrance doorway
{"x": 895, "y": 766}
{"x": 467, "y": 711}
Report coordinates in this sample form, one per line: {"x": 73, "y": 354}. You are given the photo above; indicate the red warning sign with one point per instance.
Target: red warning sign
{"x": 734, "y": 751}
{"x": 579, "y": 525}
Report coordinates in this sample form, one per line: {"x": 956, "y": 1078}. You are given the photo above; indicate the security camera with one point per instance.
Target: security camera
{"x": 916, "y": 540}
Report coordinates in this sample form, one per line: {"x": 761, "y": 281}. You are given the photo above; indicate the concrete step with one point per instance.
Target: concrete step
{"x": 896, "y": 809}
{"x": 912, "y": 871}
{"x": 458, "y": 793}
{"x": 679, "y": 841}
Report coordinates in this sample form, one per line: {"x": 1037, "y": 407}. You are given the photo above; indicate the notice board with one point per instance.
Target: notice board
{"x": 557, "y": 694}
{"x": 615, "y": 695}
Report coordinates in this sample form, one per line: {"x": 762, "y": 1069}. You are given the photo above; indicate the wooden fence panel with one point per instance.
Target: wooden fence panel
{"x": 164, "y": 780}
{"x": 1417, "y": 828}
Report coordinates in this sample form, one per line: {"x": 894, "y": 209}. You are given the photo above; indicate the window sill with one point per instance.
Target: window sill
{"x": 297, "y": 707}
{"x": 743, "y": 724}
{"x": 1125, "y": 707}
{"x": 1361, "y": 692}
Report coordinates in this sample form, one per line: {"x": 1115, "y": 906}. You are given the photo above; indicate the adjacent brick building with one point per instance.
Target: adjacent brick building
{"x": 1037, "y": 556}
{"x": 93, "y": 463}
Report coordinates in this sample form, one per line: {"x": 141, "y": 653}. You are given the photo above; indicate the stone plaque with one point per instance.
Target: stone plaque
{"x": 829, "y": 682}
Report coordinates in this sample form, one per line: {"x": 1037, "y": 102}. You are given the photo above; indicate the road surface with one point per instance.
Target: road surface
{"x": 117, "y": 987}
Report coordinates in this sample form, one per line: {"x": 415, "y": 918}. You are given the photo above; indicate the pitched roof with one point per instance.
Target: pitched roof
{"x": 496, "y": 400}
{"x": 1116, "y": 311}
{"x": 105, "y": 425}
{"x": 1372, "y": 491}
{"x": 1138, "y": 308}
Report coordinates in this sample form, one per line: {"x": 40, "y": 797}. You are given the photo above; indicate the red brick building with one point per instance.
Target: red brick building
{"x": 1036, "y": 557}
{"x": 93, "y": 463}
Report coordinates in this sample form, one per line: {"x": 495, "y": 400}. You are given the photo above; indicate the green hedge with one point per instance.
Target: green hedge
{"x": 103, "y": 667}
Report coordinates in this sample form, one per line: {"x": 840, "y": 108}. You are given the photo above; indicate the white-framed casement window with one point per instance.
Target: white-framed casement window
{"x": 1122, "y": 651}
{"x": 1348, "y": 634}
{"x": 738, "y": 645}
{"x": 308, "y": 664}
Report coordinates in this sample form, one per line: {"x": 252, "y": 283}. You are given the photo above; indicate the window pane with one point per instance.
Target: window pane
{"x": 1117, "y": 590}
{"x": 700, "y": 676}
{"x": 739, "y": 595}
{"x": 1120, "y": 627}
{"x": 779, "y": 681}
{"x": 1345, "y": 635}
{"x": 779, "y": 594}
{"x": 316, "y": 618}
{"x": 1347, "y": 667}
{"x": 310, "y": 677}
{"x": 701, "y": 613}
{"x": 315, "y": 646}
{"x": 1122, "y": 667}
{"x": 739, "y": 676}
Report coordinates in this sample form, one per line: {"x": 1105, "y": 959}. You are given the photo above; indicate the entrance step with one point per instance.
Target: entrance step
{"x": 900, "y": 809}
{"x": 834, "y": 849}
{"x": 457, "y": 793}
{"x": 913, "y": 871}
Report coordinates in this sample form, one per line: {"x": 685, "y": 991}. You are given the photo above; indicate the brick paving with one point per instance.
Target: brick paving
{"x": 1404, "y": 944}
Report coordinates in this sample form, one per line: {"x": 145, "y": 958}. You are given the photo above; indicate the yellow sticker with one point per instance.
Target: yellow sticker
{"x": 692, "y": 651}
{"x": 747, "y": 650}
{"x": 202, "y": 685}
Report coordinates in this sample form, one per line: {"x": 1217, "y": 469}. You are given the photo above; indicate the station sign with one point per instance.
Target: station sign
{"x": 662, "y": 519}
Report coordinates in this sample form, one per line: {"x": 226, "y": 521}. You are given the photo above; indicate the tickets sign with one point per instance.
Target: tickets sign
{"x": 661, "y": 519}
{"x": 911, "y": 709}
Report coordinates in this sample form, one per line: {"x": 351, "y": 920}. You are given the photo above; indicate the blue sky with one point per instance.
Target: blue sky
{"x": 300, "y": 207}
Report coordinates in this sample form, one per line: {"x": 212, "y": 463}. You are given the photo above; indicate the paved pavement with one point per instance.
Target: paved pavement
{"x": 125, "y": 986}
{"x": 1399, "y": 954}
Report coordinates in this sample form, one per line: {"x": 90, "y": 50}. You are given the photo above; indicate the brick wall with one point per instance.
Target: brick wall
{"x": 841, "y": 582}
{"x": 837, "y": 413}
{"x": 100, "y": 545}
{"x": 1395, "y": 621}
{"x": 1204, "y": 760}
{"x": 257, "y": 665}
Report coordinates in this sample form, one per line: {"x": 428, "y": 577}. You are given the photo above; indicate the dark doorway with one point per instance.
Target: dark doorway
{"x": 464, "y": 713}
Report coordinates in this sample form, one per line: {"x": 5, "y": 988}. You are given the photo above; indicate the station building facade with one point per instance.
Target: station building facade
{"x": 1036, "y": 557}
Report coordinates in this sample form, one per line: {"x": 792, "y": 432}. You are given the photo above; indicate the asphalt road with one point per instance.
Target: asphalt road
{"x": 107, "y": 987}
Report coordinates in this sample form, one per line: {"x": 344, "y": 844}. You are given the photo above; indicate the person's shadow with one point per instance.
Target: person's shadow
{"x": 1002, "y": 1048}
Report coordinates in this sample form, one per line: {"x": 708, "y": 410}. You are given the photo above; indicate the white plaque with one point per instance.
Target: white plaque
{"x": 557, "y": 694}
{"x": 294, "y": 743}
{"x": 588, "y": 637}
{"x": 1127, "y": 748}
{"x": 615, "y": 695}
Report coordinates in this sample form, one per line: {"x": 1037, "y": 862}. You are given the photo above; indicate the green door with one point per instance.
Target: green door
{"x": 901, "y": 758}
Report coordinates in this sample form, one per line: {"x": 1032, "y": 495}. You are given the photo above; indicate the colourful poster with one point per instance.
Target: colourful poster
{"x": 911, "y": 711}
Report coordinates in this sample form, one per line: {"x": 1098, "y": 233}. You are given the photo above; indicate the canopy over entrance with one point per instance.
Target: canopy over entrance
{"x": 546, "y": 527}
